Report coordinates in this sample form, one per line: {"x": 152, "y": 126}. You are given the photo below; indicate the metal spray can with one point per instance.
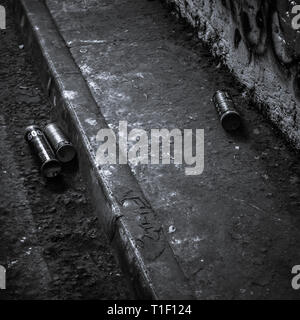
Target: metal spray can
{"x": 229, "y": 117}
{"x": 62, "y": 147}
{"x": 36, "y": 139}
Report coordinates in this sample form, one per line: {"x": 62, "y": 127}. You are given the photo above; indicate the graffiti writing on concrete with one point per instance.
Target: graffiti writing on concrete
{"x": 151, "y": 236}
{"x": 268, "y": 26}
{"x": 2, "y": 18}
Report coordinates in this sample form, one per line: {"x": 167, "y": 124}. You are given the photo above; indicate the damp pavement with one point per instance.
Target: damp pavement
{"x": 234, "y": 229}
{"x": 51, "y": 243}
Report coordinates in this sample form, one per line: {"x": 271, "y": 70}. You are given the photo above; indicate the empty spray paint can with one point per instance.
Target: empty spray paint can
{"x": 229, "y": 117}
{"x": 36, "y": 139}
{"x": 62, "y": 147}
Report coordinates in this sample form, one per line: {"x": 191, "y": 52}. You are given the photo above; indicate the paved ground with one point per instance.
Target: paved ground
{"x": 50, "y": 241}
{"x": 234, "y": 229}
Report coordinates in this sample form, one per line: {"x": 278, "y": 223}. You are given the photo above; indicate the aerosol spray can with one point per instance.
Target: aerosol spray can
{"x": 229, "y": 117}
{"x": 36, "y": 139}
{"x": 62, "y": 147}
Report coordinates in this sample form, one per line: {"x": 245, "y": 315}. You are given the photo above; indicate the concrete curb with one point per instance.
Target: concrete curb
{"x": 130, "y": 222}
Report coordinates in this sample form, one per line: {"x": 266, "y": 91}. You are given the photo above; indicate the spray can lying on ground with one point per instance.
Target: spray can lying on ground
{"x": 229, "y": 117}
{"x": 36, "y": 139}
{"x": 62, "y": 147}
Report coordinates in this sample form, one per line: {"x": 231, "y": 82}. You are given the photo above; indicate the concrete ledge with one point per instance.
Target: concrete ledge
{"x": 255, "y": 39}
{"x": 144, "y": 253}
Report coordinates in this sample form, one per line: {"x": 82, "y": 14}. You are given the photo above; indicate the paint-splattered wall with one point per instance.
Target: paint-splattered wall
{"x": 258, "y": 40}
{"x": 267, "y": 25}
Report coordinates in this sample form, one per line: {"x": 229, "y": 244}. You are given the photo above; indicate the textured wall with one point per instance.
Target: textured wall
{"x": 256, "y": 40}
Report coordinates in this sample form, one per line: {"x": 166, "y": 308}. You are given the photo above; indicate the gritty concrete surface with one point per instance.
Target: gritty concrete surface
{"x": 126, "y": 215}
{"x": 255, "y": 39}
{"x": 234, "y": 230}
{"x": 50, "y": 241}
